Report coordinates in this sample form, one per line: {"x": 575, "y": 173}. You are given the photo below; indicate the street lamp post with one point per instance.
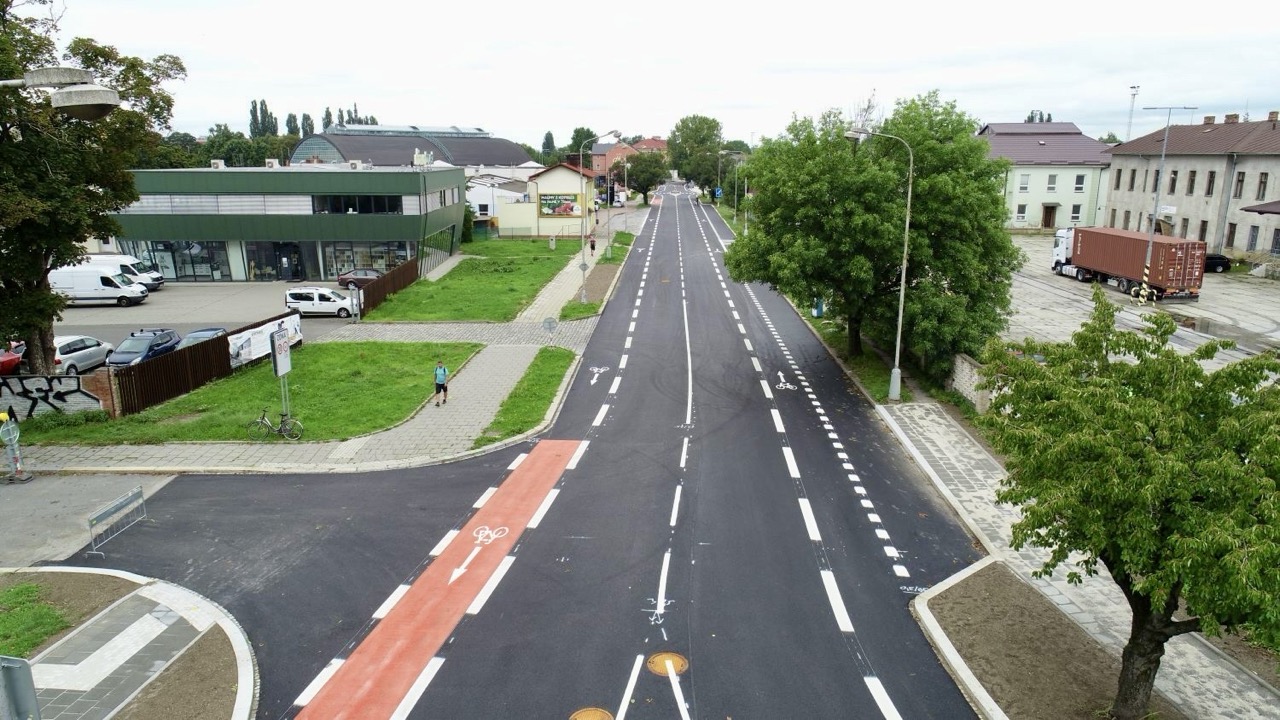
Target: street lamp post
{"x": 582, "y": 236}
{"x": 75, "y": 93}
{"x": 895, "y": 377}
{"x": 1155, "y": 210}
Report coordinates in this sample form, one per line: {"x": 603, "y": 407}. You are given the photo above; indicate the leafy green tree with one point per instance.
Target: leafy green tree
{"x": 327, "y": 120}
{"x": 267, "y": 122}
{"x": 647, "y": 171}
{"x": 291, "y": 124}
{"x": 308, "y": 125}
{"x": 468, "y": 224}
{"x": 694, "y": 146}
{"x": 61, "y": 179}
{"x": 231, "y": 147}
{"x": 739, "y": 146}
{"x": 1110, "y": 139}
{"x": 178, "y": 150}
{"x": 580, "y": 141}
{"x": 1123, "y": 452}
{"x": 255, "y": 123}
{"x": 548, "y": 143}
{"x": 828, "y": 219}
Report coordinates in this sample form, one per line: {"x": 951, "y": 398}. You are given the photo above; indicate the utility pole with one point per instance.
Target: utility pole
{"x": 1144, "y": 296}
{"x": 1133, "y": 99}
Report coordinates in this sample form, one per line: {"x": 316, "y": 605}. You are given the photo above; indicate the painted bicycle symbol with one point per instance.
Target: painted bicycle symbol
{"x": 484, "y": 535}
{"x": 785, "y": 386}
{"x": 597, "y": 371}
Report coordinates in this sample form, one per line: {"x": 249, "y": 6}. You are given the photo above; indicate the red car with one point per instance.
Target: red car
{"x": 358, "y": 278}
{"x": 11, "y": 358}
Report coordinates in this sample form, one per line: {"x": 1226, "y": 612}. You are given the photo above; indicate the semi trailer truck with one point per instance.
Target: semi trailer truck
{"x": 1108, "y": 254}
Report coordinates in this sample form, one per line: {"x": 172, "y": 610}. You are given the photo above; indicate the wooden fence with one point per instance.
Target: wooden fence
{"x": 395, "y": 280}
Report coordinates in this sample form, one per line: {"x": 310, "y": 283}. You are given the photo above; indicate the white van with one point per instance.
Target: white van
{"x": 81, "y": 284}
{"x": 127, "y": 265}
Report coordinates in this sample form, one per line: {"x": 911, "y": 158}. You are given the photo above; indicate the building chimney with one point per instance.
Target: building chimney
{"x": 1231, "y": 118}
{"x": 1273, "y": 116}
{"x": 1208, "y": 119}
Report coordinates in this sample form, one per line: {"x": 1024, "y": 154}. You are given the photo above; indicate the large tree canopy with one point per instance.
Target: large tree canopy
{"x": 828, "y": 219}
{"x": 646, "y": 172}
{"x": 693, "y": 148}
{"x": 60, "y": 179}
{"x": 1121, "y": 450}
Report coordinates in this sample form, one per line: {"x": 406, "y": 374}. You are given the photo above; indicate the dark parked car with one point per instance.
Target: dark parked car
{"x": 358, "y": 277}
{"x": 1213, "y": 262}
{"x": 144, "y": 345}
{"x": 201, "y": 335}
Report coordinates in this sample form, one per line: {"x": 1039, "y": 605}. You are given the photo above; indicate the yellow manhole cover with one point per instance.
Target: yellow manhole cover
{"x": 591, "y": 714}
{"x": 658, "y": 663}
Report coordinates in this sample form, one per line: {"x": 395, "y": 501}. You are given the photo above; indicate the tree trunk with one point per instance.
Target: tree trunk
{"x": 855, "y": 337}
{"x": 40, "y": 351}
{"x": 1140, "y": 660}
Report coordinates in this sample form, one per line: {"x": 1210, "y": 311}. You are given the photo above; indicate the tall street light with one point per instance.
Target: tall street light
{"x": 75, "y": 95}
{"x": 895, "y": 377}
{"x": 582, "y": 237}
{"x": 1155, "y": 210}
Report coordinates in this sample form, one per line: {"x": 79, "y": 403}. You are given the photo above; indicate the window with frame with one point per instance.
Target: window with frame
{"x": 1208, "y": 186}
{"x": 1080, "y": 183}
{"x": 1021, "y": 214}
{"x": 1173, "y": 182}
{"x": 1119, "y": 176}
{"x": 1113, "y": 218}
{"x": 1239, "y": 189}
{"x": 1155, "y": 184}
{"x": 1231, "y": 235}
{"x": 1275, "y": 242}
{"x": 1191, "y": 182}
{"x": 1024, "y": 183}
{"x": 1204, "y": 231}
{"x": 1052, "y": 185}
{"x": 1133, "y": 178}
{"x": 1126, "y": 219}
{"x": 1075, "y": 213}
{"x": 1262, "y": 187}
{"x": 1182, "y": 231}
{"x": 1253, "y": 239}
{"x": 482, "y": 209}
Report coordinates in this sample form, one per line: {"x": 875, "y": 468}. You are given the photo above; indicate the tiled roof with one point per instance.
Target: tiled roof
{"x": 1043, "y": 144}
{"x": 1246, "y": 138}
{"x": 651, "y": 143}
{"x": 572, "y": 168}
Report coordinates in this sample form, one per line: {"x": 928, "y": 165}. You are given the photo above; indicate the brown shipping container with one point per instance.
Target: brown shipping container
{"x": 1177, "y": 264}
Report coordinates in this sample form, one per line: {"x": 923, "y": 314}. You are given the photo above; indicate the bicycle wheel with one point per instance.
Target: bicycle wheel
{"x": 260, "y": 429}
{"x": 291, "y": 428}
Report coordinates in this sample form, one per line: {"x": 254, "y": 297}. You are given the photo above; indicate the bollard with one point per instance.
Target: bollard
{"x": 13, "y": 456}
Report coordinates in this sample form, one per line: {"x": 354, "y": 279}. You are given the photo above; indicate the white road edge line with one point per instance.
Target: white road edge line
{"x": 390, "y": 602}
{"x": 631, "y": 688}
{"x": 444, "y": 543}
{"x": 662, "y": 584}
{"x": 577, "y": 455}
{"x": 675, "y": 505}
{"x": 613, "y": 388}
{"x": 542, "y": 509}
{"x": 837, "y": 603}
{"x": 755, "y": 362}
{"x": 313, "y": 689}
{"x": 810, "y": 522}
{"x": 622, "y": 364}
{"x": 791, "y": 462}
{"x": 600, "y": 415}
{"x": 419, "y": 686}
{"x": 767, "y": 392}
{"x": 516, "y": 463}
{"x": 688, "y": 359}
{"x": 675, "y": 689}
{"x": 882, "y": 698}
{"x": 484, "y": 498}
{"x": 684, "y": 452}
{"x": 490, "y": 586}
{"x": 777, "y": 419}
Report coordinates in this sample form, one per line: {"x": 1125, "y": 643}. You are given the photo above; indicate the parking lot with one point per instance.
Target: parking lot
{"x": 189, "y": 306}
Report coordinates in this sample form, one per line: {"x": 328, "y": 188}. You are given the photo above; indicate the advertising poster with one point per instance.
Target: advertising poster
{"x": 560, "y": 205}
{"x": 256, "y": 343}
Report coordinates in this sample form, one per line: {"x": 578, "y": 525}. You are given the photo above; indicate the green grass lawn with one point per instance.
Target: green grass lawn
{"x": 527, "y": 404}
{"x": 495, "y": 287}
{"x": 576, "y": 309}
{"x": 25, "y": 621}
{"x": 337, "y": 390}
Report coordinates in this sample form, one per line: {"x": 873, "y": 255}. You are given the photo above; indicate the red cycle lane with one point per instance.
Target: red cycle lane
{"x": 378, "y": 675}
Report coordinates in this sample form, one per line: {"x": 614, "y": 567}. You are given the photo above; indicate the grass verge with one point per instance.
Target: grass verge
{"x": 25, "y": 621}
{"x": 494, "y": 287}
{"x": 617, "y": 251}
{"x": 574, "y": 310}
{"x": 870, "y": 370}
{"x": 527, "y": 404}
{"x": 338, "y": 391}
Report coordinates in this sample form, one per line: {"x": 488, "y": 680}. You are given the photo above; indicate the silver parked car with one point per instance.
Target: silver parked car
{"x": 78, "y": 353}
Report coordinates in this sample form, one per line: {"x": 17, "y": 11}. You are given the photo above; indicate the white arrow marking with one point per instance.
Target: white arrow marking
{"x": 463, "y": 568}
{"x": 781, "y": 379}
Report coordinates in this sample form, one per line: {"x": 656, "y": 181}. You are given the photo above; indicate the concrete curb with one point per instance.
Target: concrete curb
{"x": 247, "y": 679}
{"x": 974, "y": 692}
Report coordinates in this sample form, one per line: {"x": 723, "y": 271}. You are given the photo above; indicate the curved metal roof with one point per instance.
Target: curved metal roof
{"x": 397, "y": 150}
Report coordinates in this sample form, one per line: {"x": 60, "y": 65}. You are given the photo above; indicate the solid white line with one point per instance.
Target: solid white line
{"x": 516, "y": 463}
{"x": 415, "y": 691}
{"x": 767, "y": 392}
{"x": 492, "y": 585}
{"x": 810, "y": 523}
{"x": 675, "y": 688}
{"x": 747, "y": 342}
{"x": 622, "y": 364}
{"x": 882, "y": 698}
{"x": 791, "y": 462}
{"x": 543, "y": 508}
{"x": 684, "y": 452}
{"x": 688, "y": 360}
{"x": 662, "y": 584}
{"x": 444, "y": 543}
{"x": 631, "y": 688}
{"x": 600, "y": 415}
{"x": 675, "y": 505}
{"x": 777, "y": 419}
{"x": 484, "y": 498}
{"x": 756, "y": 364}
{"x": 390, "y": 602}
{"x": 837, "y": 603}
{"x": 310, "y": 692}
{"x": 614, "y": 387}
{"x": 577, "y": 455}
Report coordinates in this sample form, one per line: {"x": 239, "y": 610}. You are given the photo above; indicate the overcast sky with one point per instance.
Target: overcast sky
{"x": 520, "y": 69}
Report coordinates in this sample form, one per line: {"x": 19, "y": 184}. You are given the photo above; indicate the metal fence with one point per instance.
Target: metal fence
{"x": 116, "y": 517}
{"x": 395, "y": 280}
{"x": 177, "y": 373}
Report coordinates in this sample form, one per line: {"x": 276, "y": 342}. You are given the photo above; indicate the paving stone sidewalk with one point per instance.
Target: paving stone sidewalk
{"x": 1202, "y": 681}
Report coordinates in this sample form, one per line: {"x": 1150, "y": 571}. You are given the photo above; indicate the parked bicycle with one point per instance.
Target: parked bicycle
{"x": 263, "y": 428}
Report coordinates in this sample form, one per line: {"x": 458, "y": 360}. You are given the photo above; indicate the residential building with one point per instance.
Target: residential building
{"x": 1056, "y": 173}
{"x": 653, "y": 144}
{"x": 604, "y": 155}
{"x": 557, "y": 202}
{"x": 307, "y": 221}
{"x": 1212, "y": 172}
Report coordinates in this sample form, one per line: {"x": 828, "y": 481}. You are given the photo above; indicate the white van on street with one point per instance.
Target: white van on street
{"x": 127, "y": 265}
{"x": 82, "y": 284}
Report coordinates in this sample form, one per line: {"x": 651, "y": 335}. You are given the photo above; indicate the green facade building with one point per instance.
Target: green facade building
{"x": 300, "y": 222}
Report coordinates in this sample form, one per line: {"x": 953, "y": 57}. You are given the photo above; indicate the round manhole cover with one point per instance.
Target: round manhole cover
{"x": 591, "y": 713}
{"x": 657, "y": 663}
